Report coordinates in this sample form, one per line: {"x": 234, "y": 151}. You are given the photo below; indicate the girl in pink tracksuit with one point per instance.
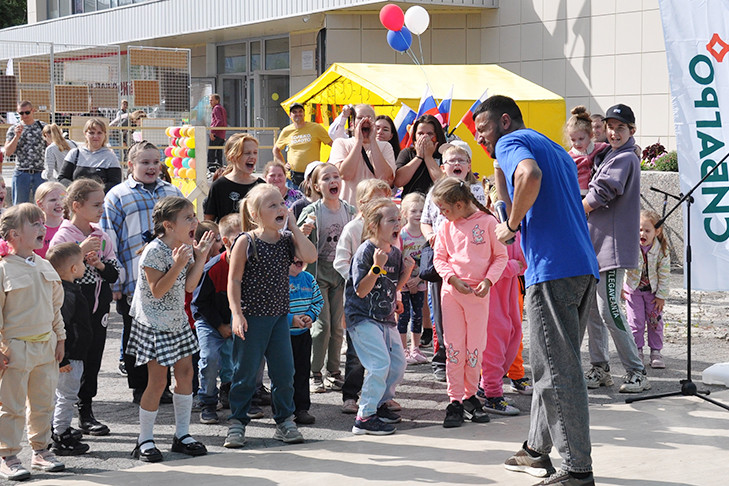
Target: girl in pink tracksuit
{"x": 470, "y": 260}
{"x": 504, "y": 331}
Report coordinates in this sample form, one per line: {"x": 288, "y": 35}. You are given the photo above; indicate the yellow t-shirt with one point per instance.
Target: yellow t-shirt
{"x": 304, "y": 144}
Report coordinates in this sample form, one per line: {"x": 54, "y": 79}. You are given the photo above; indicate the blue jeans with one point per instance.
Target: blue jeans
{"x": 412, "y": 305}
{"x": 267, "y": 336}
{"x": 380, "y": 351}
{"x": 212, "y": 345}
{"x": 558, "y": 311}
{"x": 24, "y": 186}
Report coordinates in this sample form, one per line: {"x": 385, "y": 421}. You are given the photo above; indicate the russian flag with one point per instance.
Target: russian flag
{"x": 405, "y": 117}
{"x": 444, "y": 109}
{"x": 428, "y": 105}
{"x": 468, "y": 117}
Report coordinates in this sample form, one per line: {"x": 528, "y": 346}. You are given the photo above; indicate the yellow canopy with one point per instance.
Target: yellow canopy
{"x": 385, "y": 86}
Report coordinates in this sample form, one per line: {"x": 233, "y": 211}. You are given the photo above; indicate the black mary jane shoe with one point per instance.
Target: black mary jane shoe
{"x": 192, "y": 449}
{"x": 148, "y": 455}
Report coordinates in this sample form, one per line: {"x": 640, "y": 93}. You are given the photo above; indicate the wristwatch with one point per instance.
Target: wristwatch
{"x": 378, "y": 270}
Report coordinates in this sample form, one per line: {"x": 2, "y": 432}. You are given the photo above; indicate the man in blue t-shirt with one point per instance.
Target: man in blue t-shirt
{"x": 538, "y": 179}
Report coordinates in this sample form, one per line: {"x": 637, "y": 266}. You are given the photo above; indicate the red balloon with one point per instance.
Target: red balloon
{"x": 183, "y": 152}
{"x": 392, "y": 17}
{"x": 177, "y": 162}
{"x": 168, "y": 151}
{"x": 176, "y": 130}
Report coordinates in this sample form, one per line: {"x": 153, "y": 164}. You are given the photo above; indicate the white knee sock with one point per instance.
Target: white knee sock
{"x": 146, "y": 428}
{"x": 183, "y": 409}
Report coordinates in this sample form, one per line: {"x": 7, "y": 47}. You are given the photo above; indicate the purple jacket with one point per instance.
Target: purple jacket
{"x": 614, "y": 195}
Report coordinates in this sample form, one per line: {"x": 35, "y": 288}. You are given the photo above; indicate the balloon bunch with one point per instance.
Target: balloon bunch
{"x": 401, "y": 25}
{"x": 180, "y": 155}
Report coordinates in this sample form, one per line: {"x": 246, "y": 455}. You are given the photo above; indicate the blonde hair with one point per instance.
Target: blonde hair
{"x": 367, "y": 189}
{"x": 409, "y": 201}
{"x": 654, "y": 217}
{"x": 16, "y": 216}
{"x": 314, "y": 179}
{"x": 230, "y": 225}
{"x": 451, "y": 190}
{"x": 46, "y": 188}
{"x": 52, "y": 130}
{"x": 372, "y": 212}
{"x": 252, "y": 205}
{"x": 470, "y": 177}
{"x": 79, "y": 191}
{"x": 136, "y": 150}
{"x": 61, "y": 255}
{"x": 579, "y": 121}
{"x": 99, "y": 124}
{"x": 136, "y": 116}
{"x": 234, "y": 149}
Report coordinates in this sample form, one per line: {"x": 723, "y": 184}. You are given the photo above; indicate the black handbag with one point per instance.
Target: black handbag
{"x": 427, "y": 270}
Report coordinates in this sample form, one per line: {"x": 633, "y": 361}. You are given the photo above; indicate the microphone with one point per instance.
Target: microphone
{"x": 500, "y": 207}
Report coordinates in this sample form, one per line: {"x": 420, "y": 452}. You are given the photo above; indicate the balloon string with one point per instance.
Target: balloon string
{"x": 420, "y": 44}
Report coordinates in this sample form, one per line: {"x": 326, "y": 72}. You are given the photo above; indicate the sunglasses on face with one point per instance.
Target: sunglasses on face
{"x": 24, "y": 112}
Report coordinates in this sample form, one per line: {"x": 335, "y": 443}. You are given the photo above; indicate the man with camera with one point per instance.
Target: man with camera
{"x": 362, "y": 156}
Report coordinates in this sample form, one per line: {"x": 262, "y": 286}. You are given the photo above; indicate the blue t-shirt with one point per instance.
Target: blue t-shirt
{"x": 554, "y": 233}
{"x": 379, "y": 304}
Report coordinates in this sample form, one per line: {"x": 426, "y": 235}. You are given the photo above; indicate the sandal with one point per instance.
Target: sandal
{"x": 191, "y": 449}
{"x": 148, "y": 455}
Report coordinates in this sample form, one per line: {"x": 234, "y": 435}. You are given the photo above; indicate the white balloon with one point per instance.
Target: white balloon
{"x": 417, "y": 19}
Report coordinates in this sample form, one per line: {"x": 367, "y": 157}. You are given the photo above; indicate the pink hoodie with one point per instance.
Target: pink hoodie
{"x": 468, "y": 249}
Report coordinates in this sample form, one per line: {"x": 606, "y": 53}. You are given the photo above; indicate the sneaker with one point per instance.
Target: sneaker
{"x": 334, "y": 382}
{"x": 564, "y": 478}
{"x": 372, "y": 425}
{"x": 480, "y": 393}
{"x": 454, "y": 415}
{"x": 236, "y": 435}
{"x": 439, "y": 373}
{"x": 208, "y": 415}
{"x": 635, "y": 382}
{"x": 224, "y": 395}
{"x": 473, "y": 411}
{"x": 197, "y": 404}
{"x": 522, "y": 461}
{"x": 66, "y": 444}
{"x": 122, "y": 368}
{"x": 418, "y": 356}
{"x": 11, "y": 468}
{"x": 426, "y": 339}
{"x": 409, "y": 359}
{"x": 350, "y": 406}
{"x": 303, "y": 417}
{"x": 287, "y": 432}
{"x": 500, "y": 406}
{"x": 44, "y": 460}
{"x": 393, "y": 406}
{"x": 523, "y": 386}
{"x": 657, "y": 360}
{"x": 387, "y": 415}
{"x": 598, "y": 376}
{"x": 262, "y": 397}
{"x": 317, "y": 384}
{"x": 255, "y": 412}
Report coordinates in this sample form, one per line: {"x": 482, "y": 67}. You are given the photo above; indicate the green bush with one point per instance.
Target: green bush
{"x": 667, "y": 162}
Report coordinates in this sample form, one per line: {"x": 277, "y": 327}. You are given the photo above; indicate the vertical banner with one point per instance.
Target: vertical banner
{"x": 697, "y": 47}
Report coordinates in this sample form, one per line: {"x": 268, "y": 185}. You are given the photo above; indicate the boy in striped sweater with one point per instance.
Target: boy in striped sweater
{"x": 305, "y": 304}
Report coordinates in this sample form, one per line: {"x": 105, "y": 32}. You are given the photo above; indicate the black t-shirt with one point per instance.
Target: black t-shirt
{"x": 225, "y": 196}
{"x": 421, "y": 181}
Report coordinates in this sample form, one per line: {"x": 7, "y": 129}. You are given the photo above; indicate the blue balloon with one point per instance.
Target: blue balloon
{"x": 400, "y": 40}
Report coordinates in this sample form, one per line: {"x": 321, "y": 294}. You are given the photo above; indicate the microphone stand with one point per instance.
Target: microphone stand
{"x": 688, "y": 387}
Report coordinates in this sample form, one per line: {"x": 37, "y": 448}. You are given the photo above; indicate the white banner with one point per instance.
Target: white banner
{"x": 697, "y": 47}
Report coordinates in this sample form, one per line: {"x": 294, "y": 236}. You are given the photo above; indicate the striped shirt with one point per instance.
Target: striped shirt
{"x": 304, "y": 299}
{"x": 127, "y": 214}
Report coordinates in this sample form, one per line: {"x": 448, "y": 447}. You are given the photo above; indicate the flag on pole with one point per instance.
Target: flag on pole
{"x": 444, "y": 109}
{"x": 428, "y": 105}
{"x": 467, "y": 119}
{"x": 405, "y": 117}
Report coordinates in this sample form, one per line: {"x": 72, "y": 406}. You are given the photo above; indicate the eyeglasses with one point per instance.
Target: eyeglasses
{"x": 456, "y": 161}
{"x": 24, "y": 112}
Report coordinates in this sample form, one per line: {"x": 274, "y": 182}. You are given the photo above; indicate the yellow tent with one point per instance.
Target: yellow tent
{"x": 385, "y": 86}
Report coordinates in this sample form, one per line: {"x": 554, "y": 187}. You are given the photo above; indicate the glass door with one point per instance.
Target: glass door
{"x": 272, "y": 89}
{"x": 234, "y": 100}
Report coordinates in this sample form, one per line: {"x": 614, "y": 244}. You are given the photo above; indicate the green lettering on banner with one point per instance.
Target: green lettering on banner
{"x": 720, "y": 175}
{"x": 708, "y": 99}
{"x": 612, "y": 298}
{"x": 709, "y": 144}
{"x": 710, "y": 233}
{"x": 692, "y": 69}
{"x": 719, "y": 193}
{"x": 715, "y": 123}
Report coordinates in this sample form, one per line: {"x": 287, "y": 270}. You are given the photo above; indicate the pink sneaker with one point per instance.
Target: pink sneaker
{"x": 409, "y": 358}
{"x": 418, "y": 356}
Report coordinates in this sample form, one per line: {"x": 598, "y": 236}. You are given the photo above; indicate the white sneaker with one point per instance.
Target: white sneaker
{"x": 657, "y": 360}
{"x": 11, "y": 468}
{"x": 409, "y": 358}
{"x": 635, "y": 382}
{"x": 598, "y": 376}
{"x": 45, "y": 460}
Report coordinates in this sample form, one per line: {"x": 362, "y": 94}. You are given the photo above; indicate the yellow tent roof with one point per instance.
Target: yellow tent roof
{"x": 385, "y": 86}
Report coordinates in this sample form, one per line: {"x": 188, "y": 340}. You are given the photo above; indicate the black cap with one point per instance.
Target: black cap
{"x": 295, "y": 105}
{"x": 621, "y": 113}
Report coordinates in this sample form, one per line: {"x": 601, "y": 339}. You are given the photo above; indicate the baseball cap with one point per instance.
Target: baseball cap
{"x": 310, "y": 168}
{"x": 295, "y": 105}
{"x": 456, "y": 143}
{"x": 621, "y": 113}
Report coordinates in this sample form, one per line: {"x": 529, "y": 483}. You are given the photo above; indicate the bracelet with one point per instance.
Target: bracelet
{"x": 518, "y": 227}
{"x": 419, "y": 157}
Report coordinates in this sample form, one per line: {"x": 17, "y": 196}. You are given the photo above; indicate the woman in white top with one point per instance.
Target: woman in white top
{"x": 58, "y": 148}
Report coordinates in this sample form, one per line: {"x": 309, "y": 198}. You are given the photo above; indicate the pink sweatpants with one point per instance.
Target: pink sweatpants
{"x": 504, "y": 339}
{"x": 465, "y": 318}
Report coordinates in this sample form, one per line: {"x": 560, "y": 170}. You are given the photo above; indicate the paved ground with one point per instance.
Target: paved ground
{"x": 424, "y": 401}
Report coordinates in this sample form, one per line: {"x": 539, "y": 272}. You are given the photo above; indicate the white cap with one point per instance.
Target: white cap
{"x": 456, "y": 143}
{"x": 310, "y": 168}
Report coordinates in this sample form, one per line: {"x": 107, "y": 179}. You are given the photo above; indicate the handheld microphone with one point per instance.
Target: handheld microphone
{"x": 500, "y": 207}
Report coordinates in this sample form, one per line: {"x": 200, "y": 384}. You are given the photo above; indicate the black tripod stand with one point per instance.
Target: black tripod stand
{"x": 688, "y": 387}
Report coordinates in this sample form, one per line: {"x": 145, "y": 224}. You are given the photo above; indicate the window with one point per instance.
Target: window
{"x": 52, "y": 11}
{"x": 255, "y": 55}
{"x": 232, "y": 58}
{"x": 277, "y": 53}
